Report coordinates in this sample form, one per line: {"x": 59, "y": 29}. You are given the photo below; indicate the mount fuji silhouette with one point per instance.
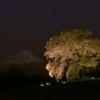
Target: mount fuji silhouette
{"x": 23, "y": 57}
{"x": 28, "y": 61}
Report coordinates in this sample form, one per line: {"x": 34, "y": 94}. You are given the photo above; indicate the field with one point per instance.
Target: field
{"x": 89, "y": 90}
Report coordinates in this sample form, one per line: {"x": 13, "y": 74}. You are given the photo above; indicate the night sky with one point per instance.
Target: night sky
{"x": 28, "y": 24}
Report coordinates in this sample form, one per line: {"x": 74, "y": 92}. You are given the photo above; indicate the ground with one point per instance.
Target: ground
{"x": 69, "y": 91}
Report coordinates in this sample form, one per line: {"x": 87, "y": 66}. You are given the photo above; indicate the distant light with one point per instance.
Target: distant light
{"x": 48, "y": 84}
{"x": 41, "y": 85}
{"x": 93, "y": 78}
{"x": 63, "y": 82}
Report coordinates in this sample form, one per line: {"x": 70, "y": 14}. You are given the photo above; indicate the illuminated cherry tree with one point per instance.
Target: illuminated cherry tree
{"x": 70, "y": 52}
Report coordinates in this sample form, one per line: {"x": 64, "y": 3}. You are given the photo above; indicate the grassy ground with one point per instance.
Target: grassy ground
{"x": 70, "y": 91}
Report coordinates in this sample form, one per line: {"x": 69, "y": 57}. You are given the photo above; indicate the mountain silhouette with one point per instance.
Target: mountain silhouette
{"x": 23, "y": 57}
{"x": 28, "y": 61}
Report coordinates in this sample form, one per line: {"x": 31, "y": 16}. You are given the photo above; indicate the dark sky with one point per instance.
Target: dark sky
{"x": 28, "y": 24}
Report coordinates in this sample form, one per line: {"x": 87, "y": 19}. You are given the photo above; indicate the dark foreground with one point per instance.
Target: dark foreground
{"x": 70, "y": 91}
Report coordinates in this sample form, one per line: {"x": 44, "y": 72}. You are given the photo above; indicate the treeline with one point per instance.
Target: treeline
{"x": 14, "y": 78}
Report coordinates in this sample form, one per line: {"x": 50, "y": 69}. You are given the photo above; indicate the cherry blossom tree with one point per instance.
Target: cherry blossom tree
{"x": 71, "y": 53}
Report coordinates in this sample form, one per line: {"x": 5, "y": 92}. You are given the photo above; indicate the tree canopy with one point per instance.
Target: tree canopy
{"x": 70, "y": 52}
